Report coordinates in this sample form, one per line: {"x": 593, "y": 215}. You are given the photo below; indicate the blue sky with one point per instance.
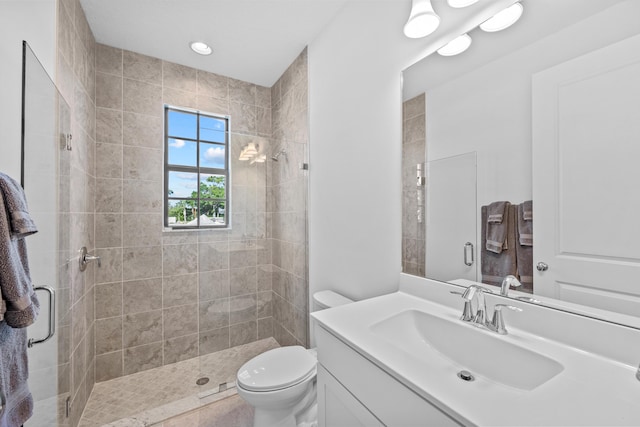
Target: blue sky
{"x": 183, "y": 126}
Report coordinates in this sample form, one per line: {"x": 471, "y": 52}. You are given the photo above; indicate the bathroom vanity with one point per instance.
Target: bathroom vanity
{"x": 406, "y": 359}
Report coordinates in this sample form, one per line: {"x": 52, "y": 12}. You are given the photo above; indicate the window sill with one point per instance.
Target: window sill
{"x": 169, "y": 230}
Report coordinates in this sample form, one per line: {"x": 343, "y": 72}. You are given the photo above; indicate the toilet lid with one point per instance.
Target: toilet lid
{"x": 276, "y": 369}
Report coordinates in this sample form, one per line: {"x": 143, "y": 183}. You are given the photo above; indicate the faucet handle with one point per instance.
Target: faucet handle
{"x": 467, "y": 311}
{"x": 497, "y": 323}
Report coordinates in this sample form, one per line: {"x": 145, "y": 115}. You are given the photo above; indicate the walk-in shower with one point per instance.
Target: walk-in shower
{"x": 164, "y": 309}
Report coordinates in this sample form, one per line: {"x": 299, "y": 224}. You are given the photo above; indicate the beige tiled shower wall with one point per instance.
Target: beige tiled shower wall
{"x": 413, "y": 153}
{"x": 166, "y": 296}
{"x": 287, "y": 204}
{"x": 75, "y": 78}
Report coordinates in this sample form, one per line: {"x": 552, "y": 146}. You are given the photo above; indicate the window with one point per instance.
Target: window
{"x": 196, "y": 172}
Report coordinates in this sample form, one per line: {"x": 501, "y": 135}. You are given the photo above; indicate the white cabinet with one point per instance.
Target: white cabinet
{"x": 339, "y": 408}
{"x": 352, "y": 391}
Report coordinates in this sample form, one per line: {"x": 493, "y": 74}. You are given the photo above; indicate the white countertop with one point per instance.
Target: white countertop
{"x": 591, "y": 390}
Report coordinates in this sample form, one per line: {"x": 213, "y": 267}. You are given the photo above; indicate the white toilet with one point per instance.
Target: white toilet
{"x": 281, "y": 383}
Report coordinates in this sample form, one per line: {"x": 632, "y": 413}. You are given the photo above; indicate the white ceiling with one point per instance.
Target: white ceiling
{"x": 539, "y": 19}
{"x": 256, "y": 40}
{"x": 252, "y": 40}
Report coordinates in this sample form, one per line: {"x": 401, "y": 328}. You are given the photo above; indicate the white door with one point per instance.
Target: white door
{"x": 586, "y": 177}
{"x": 451, "y": 218}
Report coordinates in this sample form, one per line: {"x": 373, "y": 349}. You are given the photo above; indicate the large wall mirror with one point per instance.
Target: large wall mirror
{"x": 544, "y": 115}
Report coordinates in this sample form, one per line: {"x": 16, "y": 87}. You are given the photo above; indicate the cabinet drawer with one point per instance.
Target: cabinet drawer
{"x": 388, "y": 399}
{"x": 339, "y": 408}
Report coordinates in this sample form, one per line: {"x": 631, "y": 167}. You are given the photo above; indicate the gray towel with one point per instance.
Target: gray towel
{"x": 497, "y": 222}
{"x": 525, "y": 223}
{"x": 18, "y": 297}
{"x": 524, "y": 254}
{"x": 496, "y": 266}
{"x": 524, "y": 250}
{"x": 15, "y": 398}
{"x": 16, "y": 289}
{"x": 20, "y": 222}
{"x": 527, "y": 213}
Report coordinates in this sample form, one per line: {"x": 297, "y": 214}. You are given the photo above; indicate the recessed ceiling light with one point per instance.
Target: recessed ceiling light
{"x": 503, "y": 19}
{"x": 201, "y": 48}
{"x": 461, "y": 3}
{"x": 456, "y": 46}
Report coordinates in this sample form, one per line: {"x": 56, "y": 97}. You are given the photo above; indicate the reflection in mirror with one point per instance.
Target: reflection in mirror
{"x": 455, "y": 218}
{"x": 550, "y": 108}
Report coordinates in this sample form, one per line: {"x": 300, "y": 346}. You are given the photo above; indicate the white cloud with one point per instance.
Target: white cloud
{"x": 186, "y": 176}
{"x": 177, "y": 143}
{"x": 215, "y": 155}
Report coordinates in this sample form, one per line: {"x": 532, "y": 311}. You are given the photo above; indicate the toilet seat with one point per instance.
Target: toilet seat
{"x": 277, "y": 369}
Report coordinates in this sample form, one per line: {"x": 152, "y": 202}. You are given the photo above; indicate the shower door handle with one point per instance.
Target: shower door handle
{"x": 52, "y": 316}
{"x": 468, "y": 249}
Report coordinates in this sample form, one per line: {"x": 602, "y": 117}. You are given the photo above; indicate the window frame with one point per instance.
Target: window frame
{"x": 226, "y": 171}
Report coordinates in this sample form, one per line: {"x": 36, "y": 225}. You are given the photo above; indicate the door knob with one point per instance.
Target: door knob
{"x": 541, "y": 266}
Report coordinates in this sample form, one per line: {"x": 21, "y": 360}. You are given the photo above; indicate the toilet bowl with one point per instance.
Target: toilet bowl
{"x": 281, "y": 383}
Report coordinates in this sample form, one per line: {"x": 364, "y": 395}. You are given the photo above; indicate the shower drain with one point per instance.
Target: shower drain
{"x": 466, "y": 376}
{"x": 202, "y": 381}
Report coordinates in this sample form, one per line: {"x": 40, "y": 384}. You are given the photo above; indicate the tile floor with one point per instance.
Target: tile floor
{"x": 151, "y": 397}
{"x": 232, "y": 411}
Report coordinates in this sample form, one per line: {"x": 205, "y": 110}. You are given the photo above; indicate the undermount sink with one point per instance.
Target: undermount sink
{"x": 470, "y": 348}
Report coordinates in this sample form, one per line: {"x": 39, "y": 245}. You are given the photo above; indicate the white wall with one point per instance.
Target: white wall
{"x": 35, "y": 22}
{"x": 488, "y": 110}
{"x": 355, "y": 151}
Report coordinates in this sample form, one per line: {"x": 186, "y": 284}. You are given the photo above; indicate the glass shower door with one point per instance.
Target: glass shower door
{"x": 451, "y": 218}
{"x": 45, "y": 178}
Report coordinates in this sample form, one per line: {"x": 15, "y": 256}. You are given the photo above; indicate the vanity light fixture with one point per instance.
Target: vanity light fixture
{"x": 249, "y": 152}
{"x": 201, "y": 48}
{"x": 422, "y": 20}
{"x": 259, "y": 159}
{"x": 461, "y": 3}
{"x": 456, "y": 46}
{"x": 251, "y": 149}
{"x": 503, "y": 19}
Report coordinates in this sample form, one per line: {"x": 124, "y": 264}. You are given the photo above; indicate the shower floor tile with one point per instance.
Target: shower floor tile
{"x": 139, "y": 399}
{"x": 232, "y": 411}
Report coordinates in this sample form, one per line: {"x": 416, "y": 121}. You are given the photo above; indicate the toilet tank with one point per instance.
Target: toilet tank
{"x": 328, "y": 299}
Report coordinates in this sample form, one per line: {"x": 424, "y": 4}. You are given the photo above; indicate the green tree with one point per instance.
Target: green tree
{"x": 212, "y": 188}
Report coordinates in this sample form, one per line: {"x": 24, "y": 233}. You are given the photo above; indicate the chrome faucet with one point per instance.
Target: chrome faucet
{"x": 497, "y": 323}
{"x": 476, "y": 292}
{"x": 480, "y": 317}
{"x": 507, "y": 282}
{"x": 467, "y": 311}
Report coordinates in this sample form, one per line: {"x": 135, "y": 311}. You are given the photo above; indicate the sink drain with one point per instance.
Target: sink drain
{"x": 202, "y": 381}
{"x": 466, "y": 376}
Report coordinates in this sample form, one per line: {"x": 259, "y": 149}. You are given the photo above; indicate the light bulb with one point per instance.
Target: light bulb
{"x": 503, "y": 19}
{"x": 461, "y": 3}
{"x": 422, "y": 20}
{"x": 456, "y": 46}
